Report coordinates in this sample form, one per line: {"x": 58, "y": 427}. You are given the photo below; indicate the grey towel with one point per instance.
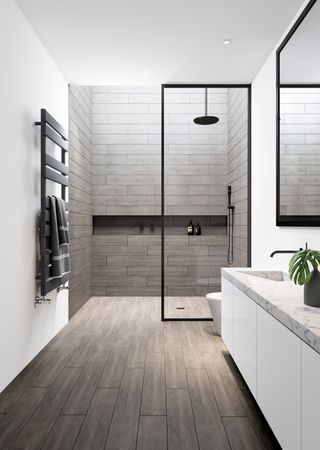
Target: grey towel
{"x": 59, "y": 238}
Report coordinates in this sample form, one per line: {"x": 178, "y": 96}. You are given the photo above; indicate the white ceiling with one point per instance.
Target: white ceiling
{"x": 149, "y": 42}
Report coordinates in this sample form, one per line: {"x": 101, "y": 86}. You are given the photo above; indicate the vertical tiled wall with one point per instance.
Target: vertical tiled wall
{"x": 115, "y": 169}
{"x": 300, "y": 151}
{"x": 196, "y": 155}
{"x": 126, "y": 158}
{"x": 80, "y": 196}
{"x": 127, "y": 260}
{"x": 126, "y": 150}
{"x": 238, "y": 170}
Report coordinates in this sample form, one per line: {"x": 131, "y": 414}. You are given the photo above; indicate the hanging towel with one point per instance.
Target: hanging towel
{"x": 59, "y": 238}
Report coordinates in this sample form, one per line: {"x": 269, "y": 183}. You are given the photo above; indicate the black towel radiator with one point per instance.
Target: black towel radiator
{"x": 56, "y": 171}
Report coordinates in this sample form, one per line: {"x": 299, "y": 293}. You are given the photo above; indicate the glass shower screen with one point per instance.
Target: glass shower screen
{"x": 195, "y": 175}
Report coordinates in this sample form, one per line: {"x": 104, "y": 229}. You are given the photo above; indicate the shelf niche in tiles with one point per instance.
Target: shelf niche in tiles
{"x": 151, "y": 225}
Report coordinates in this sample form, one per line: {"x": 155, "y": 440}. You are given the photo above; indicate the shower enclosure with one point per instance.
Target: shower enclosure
{"x": 144, "y": 162}
{"x": 205, "y": 192}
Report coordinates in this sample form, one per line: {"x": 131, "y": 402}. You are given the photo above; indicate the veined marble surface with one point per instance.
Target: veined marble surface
{"x": 282, "y": 299}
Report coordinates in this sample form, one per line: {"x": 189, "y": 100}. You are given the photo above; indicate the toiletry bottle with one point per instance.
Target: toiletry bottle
{"x": 190, "y": 228}
{"x": 198, "y": 229}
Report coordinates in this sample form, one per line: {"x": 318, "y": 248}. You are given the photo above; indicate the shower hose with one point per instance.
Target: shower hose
{"x": 230, "y": 235}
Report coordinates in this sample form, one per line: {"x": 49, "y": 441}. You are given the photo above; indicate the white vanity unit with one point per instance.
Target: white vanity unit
{"x": 275, "y": 341}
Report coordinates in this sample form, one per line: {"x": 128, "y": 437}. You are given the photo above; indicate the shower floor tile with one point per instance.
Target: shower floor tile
{"x": 186, "y": 308}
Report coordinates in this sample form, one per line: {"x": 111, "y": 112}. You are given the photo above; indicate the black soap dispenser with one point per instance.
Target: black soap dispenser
{"x": 198, "y": 229}
{"x": 190, "y": 228}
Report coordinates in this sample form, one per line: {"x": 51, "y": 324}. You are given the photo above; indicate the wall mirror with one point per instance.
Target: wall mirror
{"x": 298, "y": 122}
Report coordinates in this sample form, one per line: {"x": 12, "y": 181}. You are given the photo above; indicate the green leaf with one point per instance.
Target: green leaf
{"x": 299, "y": 265}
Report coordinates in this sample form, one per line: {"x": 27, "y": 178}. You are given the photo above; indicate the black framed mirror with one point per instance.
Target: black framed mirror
{"x": 298, "y": 122}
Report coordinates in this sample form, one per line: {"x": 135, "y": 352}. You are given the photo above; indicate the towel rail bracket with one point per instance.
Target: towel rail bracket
{"x": 40, "y": 300}
{"x": 62, "y": 287}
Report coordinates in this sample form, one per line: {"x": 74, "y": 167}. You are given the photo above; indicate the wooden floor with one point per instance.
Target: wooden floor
{"x": 186, "y": 307}
{"x": 116, "y": 377}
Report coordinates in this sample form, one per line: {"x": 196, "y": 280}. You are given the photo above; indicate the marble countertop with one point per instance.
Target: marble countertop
{"x": 282, "y": 299}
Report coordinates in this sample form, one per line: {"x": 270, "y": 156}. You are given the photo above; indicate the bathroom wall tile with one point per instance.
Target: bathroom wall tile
{"x": 186, "y": 169}
{"x": 119, "y": 139}
{"x": 115, "y": 200}
{"x": 196, "y": 166}
{"x": 145, "y": 98}
{"x": 144, "y": 128}
{"x": 109, "y": 240}
{"x": 109, "y": 98}
{"x": 155, "y": 271}
{"x": 115, "y": 169}
{"x": 98, "y": 210}
{"x": 80, "y": 209}
{"x": 192, "y": 179}
{"x": 133, "y": 180}
{"x": 119, "y": 281}
{"x": 144, "y": 240}
{"x": 135, "y": 89}
{"x": 134, "y": 118}
{"x": 110, "y": 129}
{"x": 191, "y": 149}
{"x": 145, "y": 149}
{"x": 206, "y": 270}
{"x": 180, "y": 250}
{"x": 143, "y": 190}
{"x": 176, "y": 97}
{"x": 107, "y": 271}
{"x": 109, "y": 159}
{"x": 99, "y": 180}
{"x": 133, "y": 210}
{"x": 144, "y": 159}
{"x": 195, "y": 210}
{"x": 187, "y": 139}
{"x": 154, "y": 139}
{"x": 133, "y": 260}
{"x": 196, "y": 260}
{"x": 100, "y": 118}
{"x": 121, "y": 108}
{"x": 212, "y": 240}
{"x": 98, "y": 190}
{"x": 134, "y": 291}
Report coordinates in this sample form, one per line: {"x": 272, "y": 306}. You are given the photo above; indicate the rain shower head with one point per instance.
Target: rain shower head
{"x": 206, "y": 120}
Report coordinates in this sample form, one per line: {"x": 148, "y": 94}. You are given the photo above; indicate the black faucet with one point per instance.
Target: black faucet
{"x": 287, "y": 251}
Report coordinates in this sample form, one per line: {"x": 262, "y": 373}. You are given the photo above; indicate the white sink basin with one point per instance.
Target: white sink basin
{"x": 274, "y": 275}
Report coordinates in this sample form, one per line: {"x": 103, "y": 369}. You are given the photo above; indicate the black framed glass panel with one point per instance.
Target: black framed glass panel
{"x": 205, "y": 193}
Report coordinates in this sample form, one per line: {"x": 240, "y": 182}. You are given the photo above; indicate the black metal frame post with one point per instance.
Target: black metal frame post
{"x": 207, "y": 86}
{"x": 293, "y": 220}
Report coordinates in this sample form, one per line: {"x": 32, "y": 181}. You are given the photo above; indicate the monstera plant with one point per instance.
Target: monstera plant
{"x": 303, "y": 270}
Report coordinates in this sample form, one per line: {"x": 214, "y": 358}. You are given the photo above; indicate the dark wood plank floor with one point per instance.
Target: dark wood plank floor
{"x": 116, "y": 377}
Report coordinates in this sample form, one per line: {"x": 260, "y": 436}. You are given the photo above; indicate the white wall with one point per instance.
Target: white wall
{"x": 29, "y": 80}
{"x": 266, "y": 237}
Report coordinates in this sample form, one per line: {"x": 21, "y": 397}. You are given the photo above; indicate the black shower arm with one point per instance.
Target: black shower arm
{"x": 206, "y": 101}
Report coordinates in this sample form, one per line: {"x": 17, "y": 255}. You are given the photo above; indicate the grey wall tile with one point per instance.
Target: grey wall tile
{"x": 80, "y": 192}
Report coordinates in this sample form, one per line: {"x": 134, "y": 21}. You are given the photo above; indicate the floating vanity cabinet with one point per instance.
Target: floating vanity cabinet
{"x": 279, "y": 379}
{"x": 310, "y": 397}
{"x": 245, "y": 337}
{"x": 227, "y": 314}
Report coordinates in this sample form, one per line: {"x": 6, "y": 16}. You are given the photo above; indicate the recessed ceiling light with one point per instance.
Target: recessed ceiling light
{"x": 227, "y": 41}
